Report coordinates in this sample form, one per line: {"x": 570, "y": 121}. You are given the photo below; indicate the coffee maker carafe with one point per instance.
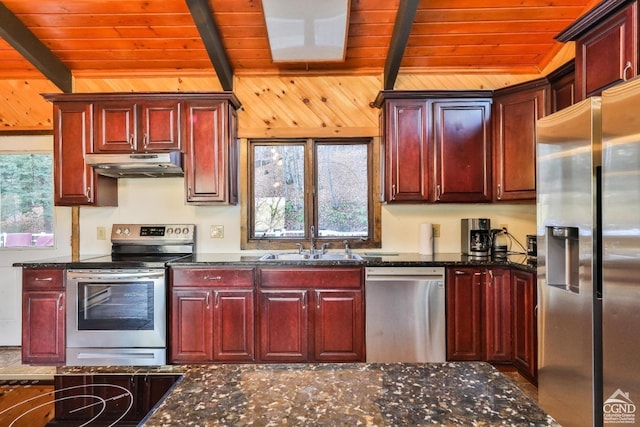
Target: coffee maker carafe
{"x": 476, "y": 237}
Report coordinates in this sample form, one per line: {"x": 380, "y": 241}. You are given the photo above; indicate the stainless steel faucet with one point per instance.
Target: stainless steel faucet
{"x": 347, "y": 248}
{"x": 312, "y": 239}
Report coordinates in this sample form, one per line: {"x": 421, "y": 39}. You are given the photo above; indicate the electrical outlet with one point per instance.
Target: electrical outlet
{"x": 504, "y": 227}
{"x": 101, "y": 233}
{"x": 216, "y": 231}
{"x": 436, "y": 230}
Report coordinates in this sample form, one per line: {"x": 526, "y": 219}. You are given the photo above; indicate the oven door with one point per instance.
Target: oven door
{"x": 117, "y": 308}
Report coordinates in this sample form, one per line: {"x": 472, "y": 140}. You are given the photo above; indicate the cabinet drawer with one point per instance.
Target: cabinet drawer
{"x": 49, "y": 279}
{"x": 329, "y": 277}
{"x": 192, "y": 277}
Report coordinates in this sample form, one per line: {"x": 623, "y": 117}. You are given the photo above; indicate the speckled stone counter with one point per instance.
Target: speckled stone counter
{"x": 451, "y": 394}
{"x": 370, "y": 259}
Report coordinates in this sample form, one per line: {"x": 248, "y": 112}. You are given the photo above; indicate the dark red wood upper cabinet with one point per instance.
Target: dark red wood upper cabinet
{"x": 462, "y": 150}
{"x": 606, "y": 40}
{"x": 211, "y": 152}
{"x": 75, "y": 183}
{"x": 516, "y": 111}
{"x": 137, "y": 126}
{"x": 407, "y": 169}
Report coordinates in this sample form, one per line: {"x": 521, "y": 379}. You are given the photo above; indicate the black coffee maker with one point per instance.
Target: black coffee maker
{"x": 476, "y": 237}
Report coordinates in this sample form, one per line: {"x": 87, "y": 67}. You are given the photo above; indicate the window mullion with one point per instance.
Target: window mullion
{"x": 310, "y": 209}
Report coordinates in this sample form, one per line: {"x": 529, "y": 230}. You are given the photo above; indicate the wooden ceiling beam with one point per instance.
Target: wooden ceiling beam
{"x": 33, "y": 50}
{"x": 210, "y": 35}
{"x": 401, "y": 31}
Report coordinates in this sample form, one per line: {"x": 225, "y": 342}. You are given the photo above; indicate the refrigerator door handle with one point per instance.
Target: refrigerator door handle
{"x": 597, "y": 273}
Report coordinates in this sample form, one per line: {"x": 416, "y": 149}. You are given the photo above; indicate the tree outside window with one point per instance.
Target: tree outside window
{"x": 26, "y": 199}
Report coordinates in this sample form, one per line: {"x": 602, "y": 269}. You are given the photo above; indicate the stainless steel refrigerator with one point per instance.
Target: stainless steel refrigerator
{"x": 588, "y": 214}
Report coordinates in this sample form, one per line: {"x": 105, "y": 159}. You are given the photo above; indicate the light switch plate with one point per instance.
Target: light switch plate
{"x": 101, "y": 233}
{"x": 216, "y": 231}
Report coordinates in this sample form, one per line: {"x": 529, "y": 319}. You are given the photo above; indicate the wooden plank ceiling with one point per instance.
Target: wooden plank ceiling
{"x": 146, "y": 37}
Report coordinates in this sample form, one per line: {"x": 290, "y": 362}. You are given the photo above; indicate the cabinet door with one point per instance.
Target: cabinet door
{"x": 233, "y": 325}
{"x": 497, "y": 308}
{"x": 284, "y": 325}
{"x": 43, "y": 327}
{"x": 116, "y": 127}
{"x": 75, "y": 183}
{"x": 464, "y": 314}
{"x": 207, "y": 152}
{"x": 525, "y": 336}
{"x": 562, "y": 87}
{"x": 515, "y": 143}
{"x": 191, "y": 325}
{"x": 116, "y": 399}
{"x": 607, "y": 55}
{"x": 160, "y": 126}
{"x": 407, "y": 168}
{"x": 462, "y": 145}
{"x": 338, "y": 326}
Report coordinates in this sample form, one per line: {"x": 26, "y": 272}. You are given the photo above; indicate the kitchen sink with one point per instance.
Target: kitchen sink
{"x": 305, "y": 256}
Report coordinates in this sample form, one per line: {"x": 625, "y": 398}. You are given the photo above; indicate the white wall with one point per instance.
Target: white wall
{"x": 10, "y": 277}
{"x": 400, "y": 223}
{"x": 162, "y": 200}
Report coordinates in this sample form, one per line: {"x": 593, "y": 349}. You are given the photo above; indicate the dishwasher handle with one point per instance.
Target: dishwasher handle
{"x": 404, "y": 277}
{"x": 404, "y": 273}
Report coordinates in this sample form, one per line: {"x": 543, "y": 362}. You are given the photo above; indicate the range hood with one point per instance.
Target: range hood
{"x": 137, "y": 165}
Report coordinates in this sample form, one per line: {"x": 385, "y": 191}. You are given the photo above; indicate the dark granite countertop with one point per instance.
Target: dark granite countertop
{"x": 460, "y": 393}
{"x": 370, "y": 259}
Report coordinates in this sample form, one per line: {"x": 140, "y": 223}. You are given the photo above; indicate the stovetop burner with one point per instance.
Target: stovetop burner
{"x": 146, "y": 245}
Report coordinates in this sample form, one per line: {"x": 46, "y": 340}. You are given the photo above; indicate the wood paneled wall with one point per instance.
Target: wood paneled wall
{"x": 272, "y": 106}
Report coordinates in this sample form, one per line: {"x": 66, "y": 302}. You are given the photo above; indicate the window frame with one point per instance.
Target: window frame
{"x": 310, "y": 201}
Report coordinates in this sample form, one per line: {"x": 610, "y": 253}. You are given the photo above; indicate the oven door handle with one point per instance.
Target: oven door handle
{"x": 115, "y": 275}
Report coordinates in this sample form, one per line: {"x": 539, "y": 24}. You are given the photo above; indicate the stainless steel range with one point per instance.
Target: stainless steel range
{"x": 117, "y": 304}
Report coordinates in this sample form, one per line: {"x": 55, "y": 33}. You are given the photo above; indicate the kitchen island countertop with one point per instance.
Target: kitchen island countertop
{"x": 460, "y": 393}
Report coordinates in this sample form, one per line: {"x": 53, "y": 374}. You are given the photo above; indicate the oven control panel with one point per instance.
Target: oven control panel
{"x": 156, "y": 233}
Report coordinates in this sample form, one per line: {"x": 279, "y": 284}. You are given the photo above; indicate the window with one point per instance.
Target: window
{"x": 26, "y": 200}
{"x": 320, "y": 188}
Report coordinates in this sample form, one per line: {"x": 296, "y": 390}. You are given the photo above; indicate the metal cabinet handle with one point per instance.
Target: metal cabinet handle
{"x": 217, "y": 299}
{"x": 304, "y": 301}
{"x": 43, "y": 279}
{"x": 627, "y": 66}
{"x": 490, "y": 277}
{"x": 499, "y": 191}
{"x": 438, "y": 192}
{"x": 59, "y": 302}
{"x": 318, "y": 300}
{"x": 131, "y": 142}
{"x": 459, "y": 273}
{"x": 212, "y": 277}
{"x": 207, "y": 299}
{"x": 88, "y": 195}
{"x": 145, "y": 140}
{"x": 393, "y": 192}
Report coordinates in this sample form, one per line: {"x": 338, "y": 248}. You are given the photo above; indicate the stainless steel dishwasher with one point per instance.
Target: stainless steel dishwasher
{"x": 405, "y": 314}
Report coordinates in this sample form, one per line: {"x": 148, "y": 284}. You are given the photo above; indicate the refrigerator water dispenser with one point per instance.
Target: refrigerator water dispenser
{"x": 563, "y": 258}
